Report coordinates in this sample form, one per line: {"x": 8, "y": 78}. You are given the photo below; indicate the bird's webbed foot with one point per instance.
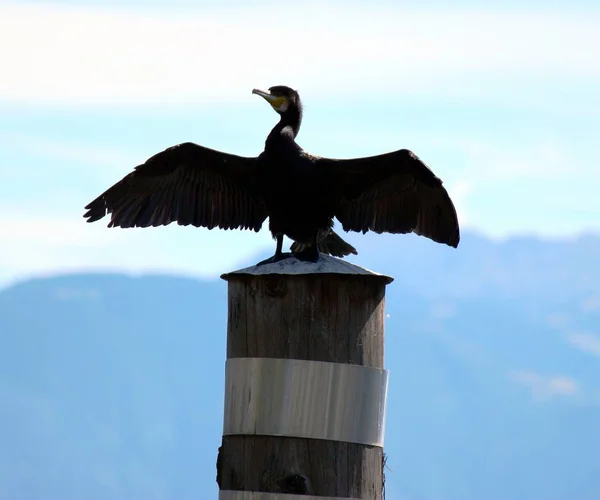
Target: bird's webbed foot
{"x": 310, "y": 254}
{"x": 276, "y": 258}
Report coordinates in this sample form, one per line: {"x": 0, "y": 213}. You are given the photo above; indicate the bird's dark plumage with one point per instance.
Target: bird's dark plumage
{"x": 187, "y": 184}
{"x": 394, "y": 193}
{"x": 299, "y": 192}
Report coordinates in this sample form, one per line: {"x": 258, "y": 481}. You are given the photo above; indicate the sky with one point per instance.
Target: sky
{"x": 500, "y": 99}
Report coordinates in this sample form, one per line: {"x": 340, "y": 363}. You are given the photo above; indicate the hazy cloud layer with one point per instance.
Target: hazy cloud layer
{"x": 546, "y": 386}
{"x": 57, "y": 53}
{"x": 508, "y": 122}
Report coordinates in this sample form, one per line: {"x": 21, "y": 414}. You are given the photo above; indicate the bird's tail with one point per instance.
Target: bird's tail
{"x": 332, "y": 244}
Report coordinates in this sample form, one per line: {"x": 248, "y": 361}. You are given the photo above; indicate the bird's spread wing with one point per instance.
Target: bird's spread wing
{"x": 393, "y": 193}
{"x": 189, "y": 184}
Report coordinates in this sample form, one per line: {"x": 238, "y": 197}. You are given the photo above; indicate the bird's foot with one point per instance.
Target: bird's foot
{"x": 276, "y": 258}
{"x": 310, "y": 254}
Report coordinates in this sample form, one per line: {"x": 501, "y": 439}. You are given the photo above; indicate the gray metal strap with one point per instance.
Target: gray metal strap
{"x": 257, "y": 495}
{"x": 307, "y": 399}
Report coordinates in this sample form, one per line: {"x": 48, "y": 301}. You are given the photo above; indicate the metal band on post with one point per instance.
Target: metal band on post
{"x": 257, "y": 495}
{"x": 305, "y": 399}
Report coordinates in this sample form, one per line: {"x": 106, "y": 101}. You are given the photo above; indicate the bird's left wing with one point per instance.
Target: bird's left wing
{"x": 392, "y": 193}
{"x": 187, "y": 184}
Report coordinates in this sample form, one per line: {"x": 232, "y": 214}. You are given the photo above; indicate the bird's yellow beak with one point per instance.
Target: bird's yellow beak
{"x": 278, "y": 102}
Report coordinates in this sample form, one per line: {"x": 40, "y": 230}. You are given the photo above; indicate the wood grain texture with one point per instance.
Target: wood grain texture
{"x": 314, "y": 317}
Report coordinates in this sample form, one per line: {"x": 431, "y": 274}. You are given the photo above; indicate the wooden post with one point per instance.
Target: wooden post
{"x": 305, "y": 386}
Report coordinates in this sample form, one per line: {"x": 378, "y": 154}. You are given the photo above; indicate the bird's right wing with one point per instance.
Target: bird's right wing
{"x": 187, "y": 184}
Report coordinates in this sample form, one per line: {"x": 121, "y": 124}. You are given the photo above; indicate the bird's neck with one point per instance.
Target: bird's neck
{"x": 289, "y": 123}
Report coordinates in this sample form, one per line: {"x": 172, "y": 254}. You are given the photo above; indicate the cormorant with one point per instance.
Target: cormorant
{"x": 299, "y": 192}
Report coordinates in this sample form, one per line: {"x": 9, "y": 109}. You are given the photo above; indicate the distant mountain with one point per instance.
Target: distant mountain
{"x": 111, "y": 386}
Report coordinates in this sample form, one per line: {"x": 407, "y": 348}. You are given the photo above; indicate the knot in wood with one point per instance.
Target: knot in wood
{"x": 275, "y": 287}
{"x": 294, "y": 484}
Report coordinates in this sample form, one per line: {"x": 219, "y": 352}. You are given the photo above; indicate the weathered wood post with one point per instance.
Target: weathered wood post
{"x": 305, "y": 390}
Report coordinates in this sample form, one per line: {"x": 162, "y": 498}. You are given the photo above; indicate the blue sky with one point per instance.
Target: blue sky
{"x": 501, "y": 100}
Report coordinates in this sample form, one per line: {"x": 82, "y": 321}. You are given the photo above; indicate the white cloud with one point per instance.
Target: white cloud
{"x": 558, "y": 320}
{"x": 499, "y": 163}
{"x": 53, "y": 53}
{"x": 50, "y": 231}
{"x": 37, "y": 243}
{"x": 86, "y": 154}
{"x": 544, "y": 387}
{"x": 591, "y": 304}
{"x": 585, "y": 341}
{"x": 459, "y": 191}
{"x": 34, "y": 245}
{"x": 443, "y": 310}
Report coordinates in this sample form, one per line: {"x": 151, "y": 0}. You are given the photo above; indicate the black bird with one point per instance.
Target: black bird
{"x": 299, "y": 192}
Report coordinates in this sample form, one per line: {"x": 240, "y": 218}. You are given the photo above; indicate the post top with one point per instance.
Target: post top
{"x": 291, "y": 266}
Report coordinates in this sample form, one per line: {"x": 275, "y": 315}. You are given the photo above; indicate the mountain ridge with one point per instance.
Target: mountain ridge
{"x": 112, "y": 384}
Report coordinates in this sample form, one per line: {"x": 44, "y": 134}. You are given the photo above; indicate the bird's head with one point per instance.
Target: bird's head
{"x": 280, "y": 97}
